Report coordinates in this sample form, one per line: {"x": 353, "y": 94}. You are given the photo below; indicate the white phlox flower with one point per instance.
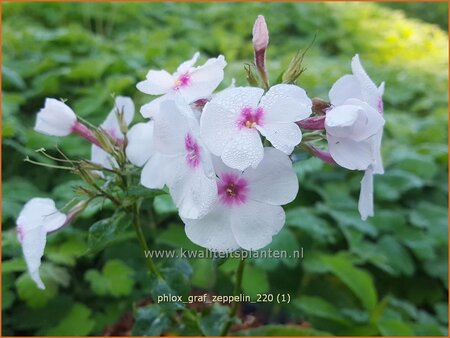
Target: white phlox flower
{"x": 38, "y": 217}
{"x": 172, "y": 154}
{"x": 247, "y": 212}
{"x": 188, "y": 82}
{"x": 55, "y": 119}
{"x": 354, "y": 129}
{"x": 231, "y": 122}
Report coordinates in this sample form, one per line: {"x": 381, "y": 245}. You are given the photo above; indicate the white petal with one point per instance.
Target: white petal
{"x": 369, "y": 123}
{"x": 378, "y": 163}
{"x": 365, "y": 203}
{"x": 187, "y": 65}
{"x": 343, "y": 89}
{"x": 140, "y": 143}
{"x": 244, "y": 150}
{"x": 171, "y": 127}
{"x": 213, "y": 231}
{"x": 204, "y": 80}
{"x": 40, "y": 212}
{"x": 159, "y": 171}
{"x": 99, "y": 156}
{"x": 33, "y": 245}
{"x": 55, "y": 119}
{"x": 158, "y": 82}
{"x": 218, "y": 126}
{"x": 349, "y": 153}
{"x": 285, "y": 103}
{"x": 255, "y": 223}
{"x": 193, "y": 193}
{"x": 152, "y": 108}
{"x": 369, "y": 91}
{"x": 273, "y": 181}
{"x": 234, "y": 99}
{"x": 283, "y": 136}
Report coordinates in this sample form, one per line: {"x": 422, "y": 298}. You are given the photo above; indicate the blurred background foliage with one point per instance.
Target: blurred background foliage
{"x": 386, "y": 276}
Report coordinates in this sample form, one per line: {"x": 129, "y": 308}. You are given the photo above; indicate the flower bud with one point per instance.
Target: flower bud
{"x": 55, "y": 119}
{"x": 250, "y": 75}
{"x": 312, "y": 123}
{"x": 260, "y": 43}
{"x": 294, "y": 70}
{"x": 260, "y": 34}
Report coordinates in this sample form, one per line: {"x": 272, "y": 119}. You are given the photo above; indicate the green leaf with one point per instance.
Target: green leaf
{"x": 120, "y": 278}
{"x": 307, "y": 220}
{"x": 204, "y": 273}
{"x": 398, "y": 257}
{"x": 31, "y": 294}
{"x": 14, "y": 265}
{"x": 164, "y": 205}
{"x": 116, "y": 279}
{"x": 67, "y": 252}
{"x": 318, "y": 307}
{"x": 175, "y": 281}
{"x": 394, "y": 183}
{"x": 212, "y": 322}
{"x": 394, "y": 327}
{"x": 77, "y": 322}
{"x": 282, "y": 243}
{"x": 107, "y": 231}
{"x": 356, "y": 279}
{"x": 282, "y": 330}
{"x": 254, "y": 281}
{"x": 150, "y": 321}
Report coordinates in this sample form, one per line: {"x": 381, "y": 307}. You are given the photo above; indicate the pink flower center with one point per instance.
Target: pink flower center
{"x": 250, "y": 117}
{"x": 192, "y": 151}
{"x": 182, "y": 81}
{"x": 232, "y": 190}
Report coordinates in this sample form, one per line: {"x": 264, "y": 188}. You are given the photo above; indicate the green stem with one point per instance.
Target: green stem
{"x": 141, "y": 238}
{"x": 237, "y": 291}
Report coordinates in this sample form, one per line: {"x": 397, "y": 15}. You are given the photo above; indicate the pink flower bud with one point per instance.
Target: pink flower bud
{"x": 80, "y": 129}
{"x": 312, "y": 123}
{"x": 260, "y": 34}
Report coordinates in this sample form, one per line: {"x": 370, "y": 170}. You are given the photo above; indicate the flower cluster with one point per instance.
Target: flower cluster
{"x": 223, "y": 156}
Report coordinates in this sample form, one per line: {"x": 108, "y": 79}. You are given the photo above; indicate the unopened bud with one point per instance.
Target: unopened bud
{"x": 104, "y": 140}
{"x": 260, "y": 43}
{"x": 312, "y": 123}
{"x": 80, "y": 129}
{"x": 294, "y": 70}
{"x": 250, "y": 75}
{"x": 260, "y": 34}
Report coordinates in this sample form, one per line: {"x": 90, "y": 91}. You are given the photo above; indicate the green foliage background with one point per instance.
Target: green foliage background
{"x": 386, "y": 276}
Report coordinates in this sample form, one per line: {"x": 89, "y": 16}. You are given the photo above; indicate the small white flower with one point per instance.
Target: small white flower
{"x": 247, "y": 212}
{"x": 231, "y": 122}
{"x": 354, "y": 129}
{"x": 190, "y": 175}
{"x": 172, "y": 154}
{"x": 55, "y": 119}
{"x": 111, "y": 126}
{"x": 37, "y": 218}
{"x": 189, "y": 82}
